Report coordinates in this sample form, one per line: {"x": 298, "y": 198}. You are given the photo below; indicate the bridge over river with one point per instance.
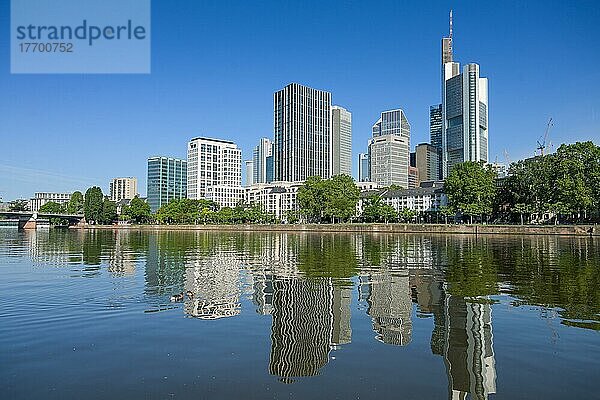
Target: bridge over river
{"x": 29, "y": 219}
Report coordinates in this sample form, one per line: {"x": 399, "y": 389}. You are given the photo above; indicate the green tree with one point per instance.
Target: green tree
{"x": 341, "y": 196}
{"x": 52, "y": 207}
{"x": 375, "y": 210}
{"x": 75, "y": 205}
{"x": 312, "y": 198}
{"x": 577, "y": 177}
{"x": 446, "y": 212}
{"x": 407, "y": 215}
{"x": 109, "y": 212}
{"x": 137, "y": 211}
{"x": 18, "y": 205}
{"x": 92, "y": 206}
{"x": 471, "y": 188}
{"x": 371, "y": 209}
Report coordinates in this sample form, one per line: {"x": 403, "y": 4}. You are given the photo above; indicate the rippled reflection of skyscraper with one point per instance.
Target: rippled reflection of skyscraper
{"x": 215, "y": 284}
{"x": 121, "y": 261}
{"x": 390, "y": 306}
{"x": 468, "y": 350}
{"x": 301, "y": 326}
{"x": 310, "y": 317}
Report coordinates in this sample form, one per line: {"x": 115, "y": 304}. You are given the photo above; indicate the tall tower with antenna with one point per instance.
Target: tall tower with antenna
{"x": 447, "y": 45}
{"x": 464, "y": 110}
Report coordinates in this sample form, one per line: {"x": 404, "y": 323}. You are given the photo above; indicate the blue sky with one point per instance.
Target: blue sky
{"x": 215, "y": 66}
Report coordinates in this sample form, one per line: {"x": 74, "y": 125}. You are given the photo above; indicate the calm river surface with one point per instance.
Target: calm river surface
{"x": 87, "y": 315}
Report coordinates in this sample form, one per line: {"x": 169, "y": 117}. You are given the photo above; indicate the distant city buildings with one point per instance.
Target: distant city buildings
{"x": 389, "y": 149}
{"x": 41, "y": 198}
{"x": 249, "y": 165}
{"x": 363, "y": 167}
{"x": 427, "y": 162}
{"x": 341, "y": 123}
{"x": 166, "y": 181}
{"x": 123, "y": 189}
{"x": 261, "y": 157}
{"x": 302, "y": 128}
{"x": 413, "y": 177}
{"x": 213, "y": 163}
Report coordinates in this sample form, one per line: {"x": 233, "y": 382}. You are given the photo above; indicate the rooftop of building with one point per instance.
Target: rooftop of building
{"x": 212, "y": 140}
{"x": 166, "y": 157}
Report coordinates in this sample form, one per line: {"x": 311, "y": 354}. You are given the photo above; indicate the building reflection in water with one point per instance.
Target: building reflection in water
{"x": 121, "y": 261}
{"x": 214, "y": 283}
{"x": 389, "y": 305}
{"x": 462, "y": 336}
{"x": 304, "y": 283}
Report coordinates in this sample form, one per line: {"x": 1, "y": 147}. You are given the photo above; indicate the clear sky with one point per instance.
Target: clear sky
{"x": 216, "y": 64}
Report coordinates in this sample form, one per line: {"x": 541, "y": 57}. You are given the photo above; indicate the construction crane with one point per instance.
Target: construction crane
{"x": 542, "y": 145}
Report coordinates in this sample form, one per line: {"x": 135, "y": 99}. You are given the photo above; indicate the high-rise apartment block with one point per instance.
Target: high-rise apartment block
{"x": 167, "y": 180}
{"x": 302, "y": 128}
{"x": 123, "y": 189}
{"x": 389, "y": 149}
{"x": 212, "y": 163}
{"x": 464, "y": 111}
{"x": 363, "y": 167}
{"x": 341, "y": 126}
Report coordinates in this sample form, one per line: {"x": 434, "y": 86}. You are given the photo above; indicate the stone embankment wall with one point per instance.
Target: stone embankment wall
{"x": 567, "y": 230}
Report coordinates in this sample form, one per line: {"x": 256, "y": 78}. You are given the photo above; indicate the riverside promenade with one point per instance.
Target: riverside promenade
{"x": 467, "y": 229}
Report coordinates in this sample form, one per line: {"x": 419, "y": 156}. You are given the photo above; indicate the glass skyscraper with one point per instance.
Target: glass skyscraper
{"x": 363, "y": 167}
{"x": 167, "y": 180}
{"x": 464, "y": 111}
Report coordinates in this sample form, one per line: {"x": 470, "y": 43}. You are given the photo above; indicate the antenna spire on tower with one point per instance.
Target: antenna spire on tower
{"x": 450, "y": 24}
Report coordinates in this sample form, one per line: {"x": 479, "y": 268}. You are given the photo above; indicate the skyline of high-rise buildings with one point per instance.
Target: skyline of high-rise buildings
{"x": 313, "y": 137}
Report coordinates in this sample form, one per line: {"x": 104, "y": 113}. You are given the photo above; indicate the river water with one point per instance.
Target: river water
{"x": 88, "y": 315}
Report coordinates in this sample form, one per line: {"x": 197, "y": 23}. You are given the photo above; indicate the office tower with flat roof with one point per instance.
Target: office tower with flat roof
{"x": 249, "y": 164}
{"x": 363, "y": 167}
{"x": 212, "y": 163}
{"x": 270, "y": 165}
{"x": 341, "y": 127}
{"x": 428, "y": 162}
{"x": 302, "y": 128}
{"x": 435, "y": 126}
{"x": 123, "y": 189}
{"x": 389, "y": 149}
{"x": 413, "y": 177}
{"x": 464, "y": 111}
{"x": 166, "y": 180}
{"x": 260, "y": 155}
